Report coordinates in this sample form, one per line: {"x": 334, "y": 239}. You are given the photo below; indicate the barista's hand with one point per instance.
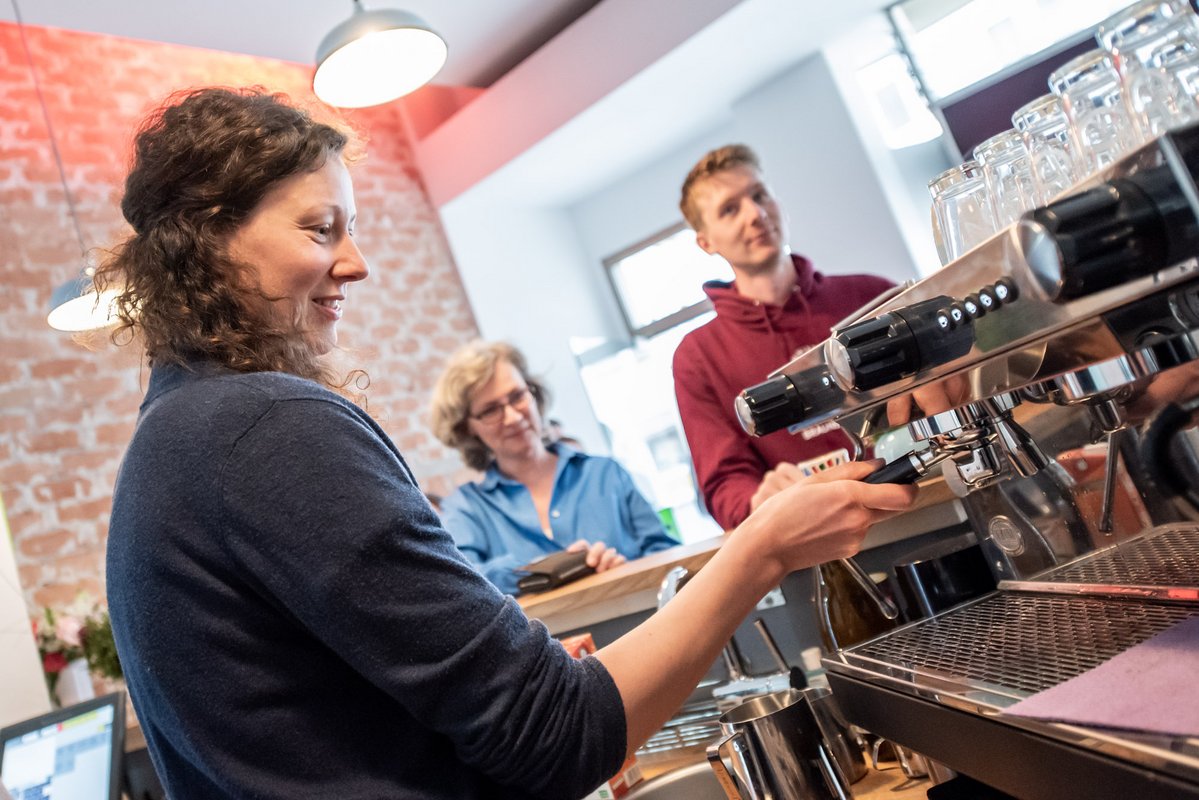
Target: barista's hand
{"x": 823, "y": 517}
{"x": 774, "y": 481}
{"x": 599, "y": 555}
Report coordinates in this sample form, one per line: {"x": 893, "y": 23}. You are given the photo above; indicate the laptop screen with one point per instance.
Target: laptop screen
{"x": 69, "y": 754}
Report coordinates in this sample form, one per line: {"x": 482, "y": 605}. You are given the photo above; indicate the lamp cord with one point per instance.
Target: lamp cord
{"x": 41, "y": 99}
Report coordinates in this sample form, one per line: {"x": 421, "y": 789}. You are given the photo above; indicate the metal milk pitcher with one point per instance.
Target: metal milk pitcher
{"x": 773, "y": 749}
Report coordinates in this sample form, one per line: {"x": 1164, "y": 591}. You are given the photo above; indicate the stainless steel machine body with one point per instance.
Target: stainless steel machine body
{"x": 1077, "y": 325}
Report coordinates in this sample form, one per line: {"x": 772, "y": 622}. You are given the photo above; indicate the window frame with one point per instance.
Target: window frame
{"x": 662, "y": 323}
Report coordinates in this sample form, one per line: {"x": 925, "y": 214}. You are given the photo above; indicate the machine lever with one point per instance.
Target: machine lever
{"x": 1109, "y": 480}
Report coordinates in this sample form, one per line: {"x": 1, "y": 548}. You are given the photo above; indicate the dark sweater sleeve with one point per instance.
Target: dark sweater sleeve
{"x": 727, "y": 468}
{"x": 323, "y": 515}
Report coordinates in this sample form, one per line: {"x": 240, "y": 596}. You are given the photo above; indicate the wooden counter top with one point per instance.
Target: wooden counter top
{"x": 633, "y": 587}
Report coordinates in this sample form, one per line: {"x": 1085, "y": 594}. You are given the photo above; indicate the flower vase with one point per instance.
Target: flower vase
{"x": 74, "y": 684}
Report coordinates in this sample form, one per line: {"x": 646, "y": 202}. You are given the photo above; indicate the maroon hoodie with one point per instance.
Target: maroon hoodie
{"x": 739, "y": 348}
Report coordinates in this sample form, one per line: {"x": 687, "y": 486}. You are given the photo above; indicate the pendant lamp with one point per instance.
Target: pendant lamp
{"x": 74, "y": 306}
{"x": 376, "y": 56}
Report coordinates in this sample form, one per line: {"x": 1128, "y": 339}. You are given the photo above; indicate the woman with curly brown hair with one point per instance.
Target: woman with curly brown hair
{"x": 292, "y": 618}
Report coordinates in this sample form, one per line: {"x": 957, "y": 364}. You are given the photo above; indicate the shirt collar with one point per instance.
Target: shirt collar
{"x": 493, "y": 477}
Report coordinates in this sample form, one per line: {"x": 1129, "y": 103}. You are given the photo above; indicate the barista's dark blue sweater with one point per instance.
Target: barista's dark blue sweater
{"x": 293, "y": 621}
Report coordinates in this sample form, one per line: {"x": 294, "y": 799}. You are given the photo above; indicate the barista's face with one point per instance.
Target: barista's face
{"x": 740, "y": 219}
{"x": 299, "y": 242}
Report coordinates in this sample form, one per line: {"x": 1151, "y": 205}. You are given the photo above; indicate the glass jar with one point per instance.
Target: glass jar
{"x": 1007, "y": 173}
{"x": 961, "y": 209}
{"x": 1139, "y": 39}
{"x": 1093, "y": 98}
{"x": 1052, "y": 155}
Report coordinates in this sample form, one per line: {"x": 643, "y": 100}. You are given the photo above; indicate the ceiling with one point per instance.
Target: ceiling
{"x": 687, "y": 92}
{"x": 486, "y": 37}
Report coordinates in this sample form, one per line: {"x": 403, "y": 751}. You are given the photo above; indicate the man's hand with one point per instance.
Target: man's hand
{"x": 774, "y": 481}
{"x": 599, "y": 555}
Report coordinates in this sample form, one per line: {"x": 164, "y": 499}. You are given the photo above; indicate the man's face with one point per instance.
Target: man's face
{"x": 740, "y": 219}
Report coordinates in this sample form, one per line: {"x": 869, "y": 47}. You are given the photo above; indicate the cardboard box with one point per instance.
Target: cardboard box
{"x": 579, "y": 646}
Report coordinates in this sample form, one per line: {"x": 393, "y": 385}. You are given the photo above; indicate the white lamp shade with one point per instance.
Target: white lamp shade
{"x": 74, "y": 306}
{"x": 376, "y": 56}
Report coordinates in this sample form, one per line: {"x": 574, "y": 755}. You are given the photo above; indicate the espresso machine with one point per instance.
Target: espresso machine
{"x": 1076, "y": 326}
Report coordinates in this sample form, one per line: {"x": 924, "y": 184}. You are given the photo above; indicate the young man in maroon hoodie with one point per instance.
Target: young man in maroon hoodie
{"x": 775, "y": 307}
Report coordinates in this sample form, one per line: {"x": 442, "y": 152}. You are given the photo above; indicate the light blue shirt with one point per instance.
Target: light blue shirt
{"x": 495, "y": 525}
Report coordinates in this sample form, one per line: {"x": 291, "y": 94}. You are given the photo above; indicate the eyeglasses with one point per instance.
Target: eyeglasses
{"x": 493, "y": 413}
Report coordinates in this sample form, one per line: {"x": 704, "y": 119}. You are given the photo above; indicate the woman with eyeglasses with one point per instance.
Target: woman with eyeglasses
{"x": 535, "y": 497}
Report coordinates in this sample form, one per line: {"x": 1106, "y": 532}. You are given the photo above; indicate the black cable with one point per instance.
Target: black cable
{"x": 41, "y": 99}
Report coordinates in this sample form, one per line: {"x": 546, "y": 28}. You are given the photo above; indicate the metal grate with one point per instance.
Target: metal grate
{"x": 695, "y": 724}
{"x": 1023, "y": 643}
{"x": 1166, "y": 556}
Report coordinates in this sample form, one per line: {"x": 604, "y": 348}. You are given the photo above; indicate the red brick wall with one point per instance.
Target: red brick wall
{"x": 66, "y": 411}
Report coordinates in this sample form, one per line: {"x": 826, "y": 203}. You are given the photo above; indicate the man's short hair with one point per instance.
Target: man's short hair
{"x": 718, "y": 160}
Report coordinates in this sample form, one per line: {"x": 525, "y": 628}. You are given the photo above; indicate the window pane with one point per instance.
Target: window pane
{"x": 632, "y": 393}
{"x": 665, "y": 277}
{"x": 956, "y": 45}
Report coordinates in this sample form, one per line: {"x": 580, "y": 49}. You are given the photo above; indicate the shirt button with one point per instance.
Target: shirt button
{"x": 555, "y": 513}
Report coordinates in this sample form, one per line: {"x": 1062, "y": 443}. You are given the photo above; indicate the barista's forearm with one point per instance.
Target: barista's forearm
{"x": 658, "y": 664}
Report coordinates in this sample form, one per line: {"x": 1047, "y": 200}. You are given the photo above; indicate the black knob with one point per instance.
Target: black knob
{"x": 1111, "y": 234}
{"x": 1005, "y": 291}
{"x": 787, "y": 400}
{"x": 897, "y": 344}
{"x": 973, "y": 305}
{"x": 873, "y": 353}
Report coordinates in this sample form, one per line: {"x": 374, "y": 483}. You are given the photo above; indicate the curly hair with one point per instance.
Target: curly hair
{"x": 718, "y": 160}
{"x": 465, "y": 373}
{"x": 201, "y": 163}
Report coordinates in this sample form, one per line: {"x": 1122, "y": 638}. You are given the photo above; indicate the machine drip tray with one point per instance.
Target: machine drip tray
{"x": 1161, "y": 564}
{"x": 940, "y": 685}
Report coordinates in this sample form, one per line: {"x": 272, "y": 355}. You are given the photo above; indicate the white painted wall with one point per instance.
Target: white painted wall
{"x": 529, "y": 283}
{"x": 641, "y": 204}
{"x": 902, "y": 175}
{"x": 23, "y": 691}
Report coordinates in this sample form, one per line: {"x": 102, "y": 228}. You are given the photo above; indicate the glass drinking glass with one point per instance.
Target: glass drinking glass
{"x": 1007, "y": 172}
{"x": 962, "y": 212}
{"x": 1147, "y": 42}
{"x": 1093, "y": 99}
{"x": 1052, "y": 157}
{"x": 1180, "y": 59}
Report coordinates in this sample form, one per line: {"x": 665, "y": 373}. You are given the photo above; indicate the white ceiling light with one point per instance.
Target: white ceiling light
{"x": 376, "y": 56}
{"x": 74, "y": 306}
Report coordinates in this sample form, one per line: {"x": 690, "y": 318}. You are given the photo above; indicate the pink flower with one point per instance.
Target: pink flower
{"x": 68, "y": 630}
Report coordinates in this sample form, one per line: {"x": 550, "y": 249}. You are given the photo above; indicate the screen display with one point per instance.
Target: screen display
{"x": 71, "y": 759}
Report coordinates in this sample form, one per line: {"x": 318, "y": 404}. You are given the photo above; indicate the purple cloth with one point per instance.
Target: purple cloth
{"x": 1151, "y": 687}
